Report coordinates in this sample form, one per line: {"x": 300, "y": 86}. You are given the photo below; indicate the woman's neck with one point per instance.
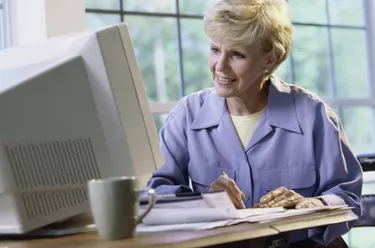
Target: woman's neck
{"x": 252, "y": 101}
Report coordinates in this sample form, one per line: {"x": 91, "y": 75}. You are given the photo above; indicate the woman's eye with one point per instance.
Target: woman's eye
{"x": 215, "y": 49}
{"x": 239, "y": 55}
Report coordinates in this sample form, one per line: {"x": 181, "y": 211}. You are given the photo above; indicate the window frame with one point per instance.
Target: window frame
{"x": 369, "y": 12}
{"x": 369, "y": 22}
{"x": 5, "y": 5}
{"x": 2, "y": 27}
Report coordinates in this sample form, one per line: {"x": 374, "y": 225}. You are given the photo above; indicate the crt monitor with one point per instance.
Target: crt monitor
{"x": 72, "y": 108}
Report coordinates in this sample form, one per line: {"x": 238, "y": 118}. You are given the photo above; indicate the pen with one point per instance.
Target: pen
{"x": 241, "y": 201}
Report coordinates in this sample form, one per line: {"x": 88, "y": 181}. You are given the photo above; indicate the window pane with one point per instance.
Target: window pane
{"x": 96, "y": 20}
{"x": 311, "y": 59}
{"x": 338, "y": 111}
{"x": 350, "y": 63}
{"x": 100, "y": 4}
{"x": 361, "y": 237}
{"x": 308, "y": 11}
{"x": 359, "y": 127}
{"x": 194, "y": 7}
{"x": 283, "y": 71}
{"x": 346, "y": 12}
{"x": 195, "y": 48}
{"x": 159, "y": 120}
{"x": 163, "y": 6}
{"x": 155, "y": 43}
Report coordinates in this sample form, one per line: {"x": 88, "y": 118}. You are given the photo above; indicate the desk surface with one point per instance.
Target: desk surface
{"x": 200, "y": 238}
{"x": 163, "y": 239}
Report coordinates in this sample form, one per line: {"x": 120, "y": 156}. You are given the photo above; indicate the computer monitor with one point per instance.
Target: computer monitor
{"x": 72, "y": 108}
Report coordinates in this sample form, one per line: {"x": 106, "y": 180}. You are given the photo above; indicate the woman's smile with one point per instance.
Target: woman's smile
{"x": 225, "y": 81}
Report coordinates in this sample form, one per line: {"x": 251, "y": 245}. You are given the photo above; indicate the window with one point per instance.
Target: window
{"x": 330, "y": 57}
{"x": 330, "y": 54}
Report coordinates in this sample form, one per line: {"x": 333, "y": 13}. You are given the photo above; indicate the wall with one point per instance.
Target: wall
{"x": 32, "y": 20}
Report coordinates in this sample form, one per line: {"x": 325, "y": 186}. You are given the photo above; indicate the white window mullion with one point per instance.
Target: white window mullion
{"x": 369, "y": 12}
{"x": 370, "y": 25}
{"x": 7, "y": 31}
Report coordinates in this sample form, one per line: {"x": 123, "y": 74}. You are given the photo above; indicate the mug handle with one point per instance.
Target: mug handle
{"x": 151, "y": 204}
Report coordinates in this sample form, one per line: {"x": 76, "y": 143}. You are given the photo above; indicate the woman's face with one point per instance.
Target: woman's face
{"x": 237, "y": 70}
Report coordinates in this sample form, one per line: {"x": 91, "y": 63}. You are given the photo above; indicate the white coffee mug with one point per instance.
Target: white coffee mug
{"x": 114, "y": 204}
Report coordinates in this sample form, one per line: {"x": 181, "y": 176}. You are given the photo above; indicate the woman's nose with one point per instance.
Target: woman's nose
{"x": 222, "y": 63}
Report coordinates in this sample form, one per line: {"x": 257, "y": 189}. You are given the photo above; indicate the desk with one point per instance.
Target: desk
{"x": 253, "y": 232}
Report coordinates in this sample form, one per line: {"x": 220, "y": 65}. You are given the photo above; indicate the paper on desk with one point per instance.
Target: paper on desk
{"x": 167, "y": 216}
{"x": 164, "y": 216}
{"x": 212, "y": 207}
{"x": 207, "y": 200}
{"x": 286, "y": 214}
{"x": 244, "y": 213}
{"x": 141, "y": 228}
{"x": 219, "y": 200}
{"x": 301, "y": 213}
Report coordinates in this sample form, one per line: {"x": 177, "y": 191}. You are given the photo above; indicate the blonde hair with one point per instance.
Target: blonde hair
{"x": 246, "y": 22}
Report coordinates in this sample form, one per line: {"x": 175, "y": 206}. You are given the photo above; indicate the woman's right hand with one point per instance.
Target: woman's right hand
{"x": 230, "y": 186}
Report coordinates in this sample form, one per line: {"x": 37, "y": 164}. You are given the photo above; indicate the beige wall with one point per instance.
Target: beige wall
{"x": 32, "y": 20}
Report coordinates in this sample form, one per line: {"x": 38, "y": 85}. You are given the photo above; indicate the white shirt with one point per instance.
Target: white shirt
{"x": 245, "y": 125}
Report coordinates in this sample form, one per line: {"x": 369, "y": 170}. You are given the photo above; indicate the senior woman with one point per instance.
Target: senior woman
{"x": 279, "y": 144}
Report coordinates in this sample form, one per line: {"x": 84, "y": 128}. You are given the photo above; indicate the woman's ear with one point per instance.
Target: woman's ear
{"x": 271, "y": 60}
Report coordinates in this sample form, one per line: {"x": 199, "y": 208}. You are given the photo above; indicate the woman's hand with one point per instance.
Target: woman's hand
{"x": 282, "y": 197}
{"x": 309, "y": 203}
{"x": 230, "y": 186}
